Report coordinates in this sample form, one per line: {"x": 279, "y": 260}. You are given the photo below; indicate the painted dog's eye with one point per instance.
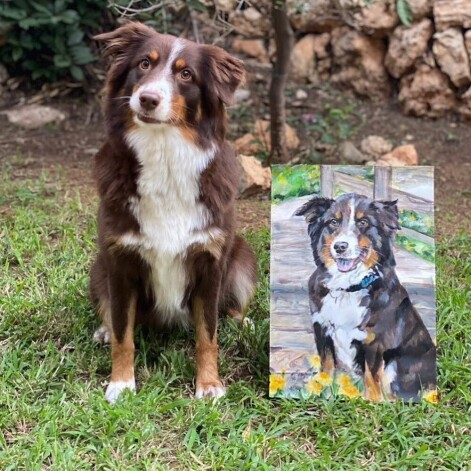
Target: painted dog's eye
{"x": 363, "y": 223}
{"x": 185, "y": 74}
{"x": 334, "y": 223}
{"x": 144, "y": 64}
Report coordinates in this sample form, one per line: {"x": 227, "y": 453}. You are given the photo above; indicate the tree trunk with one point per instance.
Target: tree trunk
{"x": 284, "y": 40}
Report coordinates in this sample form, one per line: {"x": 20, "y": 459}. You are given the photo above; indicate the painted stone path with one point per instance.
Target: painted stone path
{"x": 292, "y": 265}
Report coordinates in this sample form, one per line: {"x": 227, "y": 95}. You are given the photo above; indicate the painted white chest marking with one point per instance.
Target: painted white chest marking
{"x": 341, "y": 314}
{"x": 170, "y": 216}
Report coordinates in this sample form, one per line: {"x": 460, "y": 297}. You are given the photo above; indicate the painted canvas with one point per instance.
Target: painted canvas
{"x": 353, "y": 283}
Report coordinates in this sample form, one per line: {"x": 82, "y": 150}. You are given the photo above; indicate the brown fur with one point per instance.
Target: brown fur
{"x": 120, "y": 277}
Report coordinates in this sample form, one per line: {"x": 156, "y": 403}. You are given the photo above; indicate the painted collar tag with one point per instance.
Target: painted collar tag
{"x": 367, "y": 281}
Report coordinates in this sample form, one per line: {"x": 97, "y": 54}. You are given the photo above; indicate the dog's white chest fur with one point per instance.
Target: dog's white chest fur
{"x": 341, "y": 314}
{"x": 170, "y": 216}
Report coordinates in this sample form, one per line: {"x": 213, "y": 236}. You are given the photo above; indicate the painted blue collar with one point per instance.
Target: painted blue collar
{"x": 372, "y": 276}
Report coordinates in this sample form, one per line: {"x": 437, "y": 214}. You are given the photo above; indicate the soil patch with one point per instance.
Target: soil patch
{"x": 69, "y": 148}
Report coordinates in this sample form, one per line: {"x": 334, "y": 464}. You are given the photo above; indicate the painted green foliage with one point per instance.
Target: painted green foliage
{"x": 417, "y": 247}
{"x": 422, "y": 223}
{"x": 294, "y": 181}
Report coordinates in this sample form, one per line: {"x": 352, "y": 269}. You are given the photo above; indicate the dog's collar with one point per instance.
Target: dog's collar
{"x": 367, "y": 281}
{"x": 372, "y": 276}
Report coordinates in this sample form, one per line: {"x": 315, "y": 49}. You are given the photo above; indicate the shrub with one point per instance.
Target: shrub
{"x": 46, "y": 40}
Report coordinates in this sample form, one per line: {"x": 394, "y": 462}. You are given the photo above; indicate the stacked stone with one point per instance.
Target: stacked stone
{"x": 364, "y": 47}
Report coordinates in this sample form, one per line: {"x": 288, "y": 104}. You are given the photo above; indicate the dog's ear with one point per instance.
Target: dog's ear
{"x": 120, "y": 42}
{"x": 388, "y": 214}
{"x": 314, "y": 208}
{"x": 226, "y": 72}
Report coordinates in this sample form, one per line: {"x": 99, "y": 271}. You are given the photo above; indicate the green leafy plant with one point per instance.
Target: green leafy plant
{"x": 331, "y": 126}
{"x": 46, "y": 40}
{"x": 404, "y": 11}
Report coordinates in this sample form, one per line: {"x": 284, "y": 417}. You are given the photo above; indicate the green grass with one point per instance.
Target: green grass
{"x": 53, "y": 414}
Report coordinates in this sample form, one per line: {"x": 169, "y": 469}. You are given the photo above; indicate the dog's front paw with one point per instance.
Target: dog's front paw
{"x": 102, "y": 335}
{"x": 210, "y": 389}
{"x": 115, "y": 388}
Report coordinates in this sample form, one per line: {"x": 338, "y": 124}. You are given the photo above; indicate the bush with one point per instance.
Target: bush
{"x": 47, "y": 39}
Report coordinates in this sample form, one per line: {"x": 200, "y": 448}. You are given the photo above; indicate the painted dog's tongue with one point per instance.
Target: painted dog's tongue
{"x": 346, "y": 264}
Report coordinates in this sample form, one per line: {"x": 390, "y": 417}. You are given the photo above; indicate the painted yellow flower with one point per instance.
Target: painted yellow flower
{"x": 350, "y": 391}
{"x": 431, "y": 396}
{"x": 343, "y": 380}
{"x": 277, "y": 382}
{"x": 323, "y": 378}
{"x": 314, "y": 388}
{"x": 314, "y": 361}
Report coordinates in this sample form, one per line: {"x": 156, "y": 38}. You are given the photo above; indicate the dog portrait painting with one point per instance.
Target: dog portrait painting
{"x": 353, "y": 283}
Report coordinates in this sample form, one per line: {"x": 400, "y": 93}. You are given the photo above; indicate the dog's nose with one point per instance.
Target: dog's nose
{"x": 340, "y": 247}
{"x": 149, "y": 101}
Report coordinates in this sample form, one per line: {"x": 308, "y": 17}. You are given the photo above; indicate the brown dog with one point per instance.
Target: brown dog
{"x": 167, "y": 180}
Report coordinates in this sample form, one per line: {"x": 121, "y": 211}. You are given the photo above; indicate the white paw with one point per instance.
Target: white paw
{"x": 102, "y": 335}
{"x": 210, "y": 390}
{"x": 115, "y": 388}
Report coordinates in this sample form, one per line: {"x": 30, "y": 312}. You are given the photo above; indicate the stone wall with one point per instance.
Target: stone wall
{"x": 362, "y": 46}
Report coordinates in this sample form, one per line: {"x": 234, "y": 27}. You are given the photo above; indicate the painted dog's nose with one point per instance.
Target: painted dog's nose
{"x": 149, "y": 101}
{"x": 340, "y": 247}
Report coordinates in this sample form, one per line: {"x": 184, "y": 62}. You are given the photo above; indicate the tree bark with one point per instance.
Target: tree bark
{"x": 284, "y": 39}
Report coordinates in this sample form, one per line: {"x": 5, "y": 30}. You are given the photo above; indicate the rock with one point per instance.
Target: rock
{"x": 312, "y": 16}
{"x": 306, "y": 53}
{"x": 375, "y": 146}
{"x": 451, "y": 55}
{"x": 34, "y": 116}
{"x": 301, "y": 94}
{"x": 254, "y": 177}
{"x": 426, "y": 92}
{"x": 249, "y": 143}
{"x": 303, "y": 59}
{"x": 252, "y": 48}
{"x": 350, "y": 154}
{"x": 452, "y": 13}
{"x": 321, "y": 45}
{"x": 464, "y": 108}
{"x": 250, "y": 22}
{"x": 358, "y": 63}
{"x": 260, "y": 140}
{"x": 420, "y": 8}
{"x": 241, "y": 95}
{"x": 379, "y": 17}
{"x": 406, "y": 45}
{"x": 226, "y": 5}
{"x": 3, "y": 74}
{"x": 292, "y": 140}
{"x": 389, "y": 162}
{"x": 402, "y": 155}
{"x": 467, "y": 43}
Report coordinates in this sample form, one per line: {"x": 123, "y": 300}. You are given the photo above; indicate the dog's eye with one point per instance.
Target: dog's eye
{"x": 185, "y": 74}
{"x": 144, "y": 64}
{"x": 363, "y": 223}
{"x": 334, "y": 223}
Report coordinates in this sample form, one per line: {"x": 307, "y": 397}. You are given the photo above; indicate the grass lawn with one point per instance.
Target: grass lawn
{"x": 53, "y": 414}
